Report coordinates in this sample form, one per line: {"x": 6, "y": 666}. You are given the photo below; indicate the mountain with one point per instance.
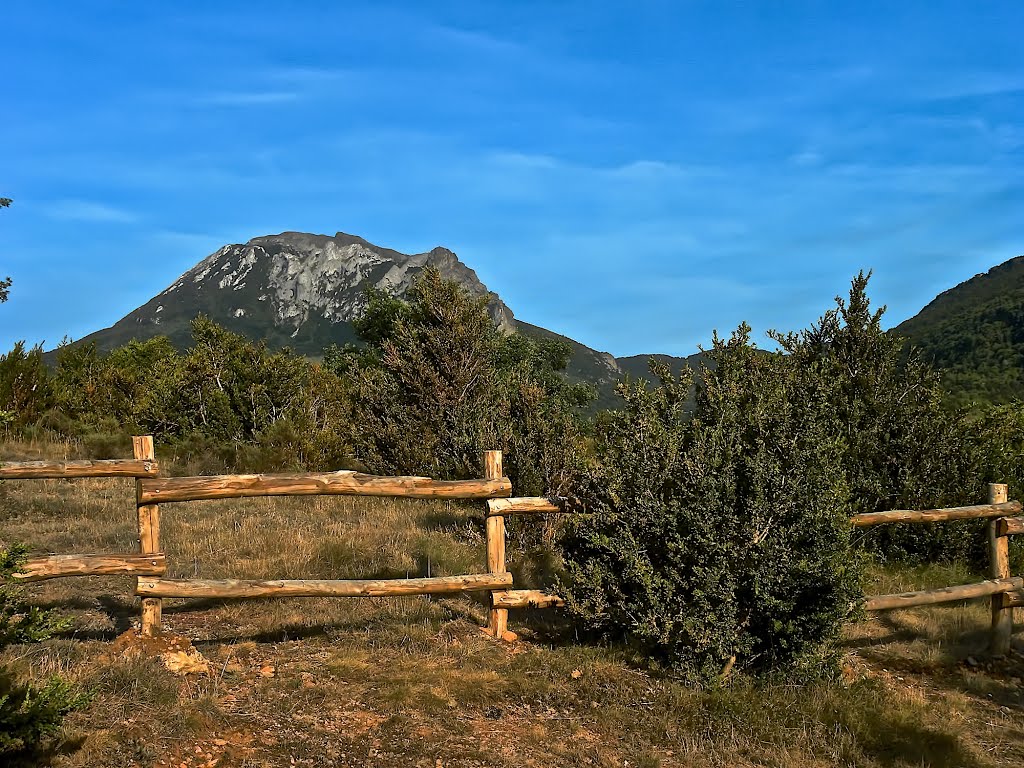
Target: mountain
{"x": 292, "y": 289}
{"x": 974, "y": 333}
{"x": 303, "y": 291}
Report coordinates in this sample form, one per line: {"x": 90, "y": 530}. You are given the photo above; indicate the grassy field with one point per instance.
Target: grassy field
{"x": 413, "y": 681}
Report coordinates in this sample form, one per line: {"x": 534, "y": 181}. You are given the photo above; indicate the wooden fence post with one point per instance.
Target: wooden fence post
{"x": 497, "y": 622}
{"x": 999, "y": 568}
{"x": 149, "y": 537}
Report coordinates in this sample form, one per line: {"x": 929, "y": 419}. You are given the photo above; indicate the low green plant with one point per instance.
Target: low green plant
{"x": 19, "y": 622}
{"x": 27, "y": 714}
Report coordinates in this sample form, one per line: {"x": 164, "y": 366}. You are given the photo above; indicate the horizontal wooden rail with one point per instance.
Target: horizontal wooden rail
{"x": 344, "y": 483}
{"x": 50, "y": 470}
{"x": 944, "y": 595}
{"x": 321, "y": 588}
{"x": 1013, "y": 599}
{"x": 525, "y": 598}
{"x": 1007, "y": 526}
{"x": 55, "y": 566}
{"x": 976, "y": 511}
{"x": 533, "y": 505}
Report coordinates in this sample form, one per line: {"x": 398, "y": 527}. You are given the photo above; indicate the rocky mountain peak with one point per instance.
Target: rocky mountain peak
{"x": 303, "y": 290}
{"x": 300, "y": 278}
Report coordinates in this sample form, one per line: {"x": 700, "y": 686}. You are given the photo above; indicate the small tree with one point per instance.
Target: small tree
{"x": 436, "y": 383}
{"x": 904, "y": 448}
{"x": 25, "y": 389}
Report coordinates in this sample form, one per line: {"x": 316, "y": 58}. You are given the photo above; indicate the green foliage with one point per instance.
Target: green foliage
{"x": 437, "y": 383}
{"x": 118, "y": 386}
{"x": 225, "y": 395}
{"x": 25, "y": 389}
{"x": 974, "y": 334}
{"x": 5, "y": 283}
{"x": 21, "y": 623}
{"x": 425, "y": 407}
{"x": 904, "y": 448}
{"x": 27, "y": 714}
{"x": 722, "y": 534}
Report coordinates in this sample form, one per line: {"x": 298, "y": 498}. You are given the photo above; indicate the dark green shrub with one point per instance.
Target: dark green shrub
{"x": 26, "y": 391}
{"x": 436, "y": 383}
{"x": 722, "y": 535}
{"x": 27, "y": 714}
{"x": 903, "y": 446}
{"x": 21, "y": 623}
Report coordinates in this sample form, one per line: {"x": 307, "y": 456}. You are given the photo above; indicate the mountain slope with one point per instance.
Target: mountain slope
{"x": 303, "y": 291}
{"x": 974, "y": 333}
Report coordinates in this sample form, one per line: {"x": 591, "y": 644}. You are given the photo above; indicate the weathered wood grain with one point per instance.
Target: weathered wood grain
{"x": 999, "y": 568}
{"x": 151, "y": 614}
{"x": 344, "y": 482}
{"x": 525, "y": 598}
{"x": 230, "y": 588}
{"x": 533, "y": 505}
{"x": 944, "y": 595}
{"x": 976, "y": 511}
{"x": 56, "y": 566}
{"x": 494, "y": 530}
{"x": 52, "y": 470}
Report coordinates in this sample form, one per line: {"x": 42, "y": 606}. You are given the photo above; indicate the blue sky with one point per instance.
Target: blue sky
{"x": 633, "y": 175}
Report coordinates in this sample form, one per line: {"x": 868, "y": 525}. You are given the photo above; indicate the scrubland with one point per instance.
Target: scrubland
{"x": 414, "y": 682}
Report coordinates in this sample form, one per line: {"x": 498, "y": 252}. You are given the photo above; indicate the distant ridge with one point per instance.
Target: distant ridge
{"x": 974, "y": 333}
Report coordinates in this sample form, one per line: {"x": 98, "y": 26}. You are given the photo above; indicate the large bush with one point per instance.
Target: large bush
{"x": 719, "y": 537}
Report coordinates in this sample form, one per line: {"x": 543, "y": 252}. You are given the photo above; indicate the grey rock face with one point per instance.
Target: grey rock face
{"x": 300, "y": 278}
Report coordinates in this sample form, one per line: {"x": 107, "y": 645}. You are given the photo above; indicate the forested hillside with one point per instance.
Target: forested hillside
{"x": 974, "y": 334}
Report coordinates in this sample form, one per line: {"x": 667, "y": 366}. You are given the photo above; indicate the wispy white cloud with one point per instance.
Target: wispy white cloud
{"x": 191, "y": 241}
{"x": 88, "y": 210}
{"x": 473, "y": 39}
{"x": 974, "y": 84}
{"x": 806, "y": 158}
{"x": 246, "y": 98}
{"x": 308, "y": 75}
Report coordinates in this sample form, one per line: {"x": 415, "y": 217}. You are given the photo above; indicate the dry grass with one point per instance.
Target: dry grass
{"x": 413, "y": 682}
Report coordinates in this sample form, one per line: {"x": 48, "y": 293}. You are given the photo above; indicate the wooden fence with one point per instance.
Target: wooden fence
{"x": 149, "y": 565}
{"x": 1006, "y": 590}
